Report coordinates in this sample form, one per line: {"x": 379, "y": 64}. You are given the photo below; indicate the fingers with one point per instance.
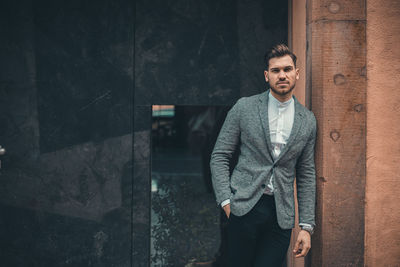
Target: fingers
{"x": 227, "y": 212}
{"x": 302, "y": 246}
{"x": 227, "y": 209}
{"x": 304, "y": 252}
{"x": 296, "y": 246}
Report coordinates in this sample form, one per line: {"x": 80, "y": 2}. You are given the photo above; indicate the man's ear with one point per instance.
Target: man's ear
{"x": 297, "y": 74}
{"x": 266, "y": 75}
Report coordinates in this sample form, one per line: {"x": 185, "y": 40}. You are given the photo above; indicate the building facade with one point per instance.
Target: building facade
{"x": 78, "y": 83}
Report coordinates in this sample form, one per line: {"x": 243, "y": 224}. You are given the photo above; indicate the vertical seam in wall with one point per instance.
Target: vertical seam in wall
{"x": 290, "y": 24}
{"x": 149, "y": 184}
{"x": 133, "y": 31}
{"x": 308, "y": 103}
{"x": 366, "y": 135}
{"x": 308, "y": 82}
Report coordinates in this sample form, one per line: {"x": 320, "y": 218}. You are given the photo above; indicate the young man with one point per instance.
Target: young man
{"x": 276, "y": 137}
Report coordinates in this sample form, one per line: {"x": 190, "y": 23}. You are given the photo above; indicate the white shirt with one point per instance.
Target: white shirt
{"x": 280, "y": 117}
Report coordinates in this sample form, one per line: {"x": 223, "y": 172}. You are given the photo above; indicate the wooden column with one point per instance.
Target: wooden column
{"x": 382, "y": 213}
{"x": 336, "y": 31}
{"x": 297, "y": 43}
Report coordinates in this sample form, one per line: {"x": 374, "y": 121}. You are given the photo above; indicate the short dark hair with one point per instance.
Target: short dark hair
{"x": 278, "y": 50}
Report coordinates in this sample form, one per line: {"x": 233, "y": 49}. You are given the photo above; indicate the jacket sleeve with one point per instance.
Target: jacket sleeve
{"x": 305, "y": 179}
{"x": 224, "y": 148}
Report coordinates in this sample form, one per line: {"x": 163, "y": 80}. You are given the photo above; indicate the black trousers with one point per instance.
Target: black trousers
{"x": 255, "y": 239}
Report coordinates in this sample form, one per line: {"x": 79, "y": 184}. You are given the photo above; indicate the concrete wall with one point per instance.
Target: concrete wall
{"x": 382, "y": 213}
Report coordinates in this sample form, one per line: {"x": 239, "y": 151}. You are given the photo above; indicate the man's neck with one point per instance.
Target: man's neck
{"x": 282, "y": 98}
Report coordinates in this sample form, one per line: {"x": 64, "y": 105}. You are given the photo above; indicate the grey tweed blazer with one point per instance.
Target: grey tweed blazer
{"x": 247, "y": 126}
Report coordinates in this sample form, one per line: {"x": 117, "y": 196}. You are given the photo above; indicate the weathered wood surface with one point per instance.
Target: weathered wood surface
{"x": 337, "y": 82}
{"x": 382, "y": 220}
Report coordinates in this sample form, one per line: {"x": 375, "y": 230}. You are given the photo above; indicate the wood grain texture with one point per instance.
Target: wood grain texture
{"x": 297, "y": 42}
{"x": 336, "y": 10}
{"x": 382, "y": 238}
{"x": 338, "y": 82}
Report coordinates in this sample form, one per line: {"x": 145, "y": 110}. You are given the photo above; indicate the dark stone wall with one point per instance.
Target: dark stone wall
{"x": 186, "y": 52}
{"x": 83, "y": 70}
{"x": 77, "y": 81}
{"x": 66, "y": 87}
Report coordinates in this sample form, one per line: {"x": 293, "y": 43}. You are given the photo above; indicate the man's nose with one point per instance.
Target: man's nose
{"x": 282, "y": 75}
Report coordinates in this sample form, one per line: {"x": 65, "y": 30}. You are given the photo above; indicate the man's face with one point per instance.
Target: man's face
{"x": 282, "y": 75}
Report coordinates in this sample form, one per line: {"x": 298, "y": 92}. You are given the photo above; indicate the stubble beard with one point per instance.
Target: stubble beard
{"x": 282, "y": 92}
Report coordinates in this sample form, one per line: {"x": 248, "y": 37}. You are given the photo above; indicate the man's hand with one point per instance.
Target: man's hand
{"x": 227, "y": 209}
{"x": 303, "y": 244}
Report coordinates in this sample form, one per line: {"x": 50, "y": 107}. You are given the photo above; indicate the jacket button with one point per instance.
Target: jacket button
{"x": 263, "y": 185}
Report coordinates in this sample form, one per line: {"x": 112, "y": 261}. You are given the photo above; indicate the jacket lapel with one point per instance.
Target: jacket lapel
{"x": 263, "y": 112}
{"x": 297, "y": 123}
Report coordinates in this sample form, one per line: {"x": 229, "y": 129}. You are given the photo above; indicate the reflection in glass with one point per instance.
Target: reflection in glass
{"x": 185, "y": 220}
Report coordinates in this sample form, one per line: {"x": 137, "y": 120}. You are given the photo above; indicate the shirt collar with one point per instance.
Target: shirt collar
{"x": 278, "y": 103}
